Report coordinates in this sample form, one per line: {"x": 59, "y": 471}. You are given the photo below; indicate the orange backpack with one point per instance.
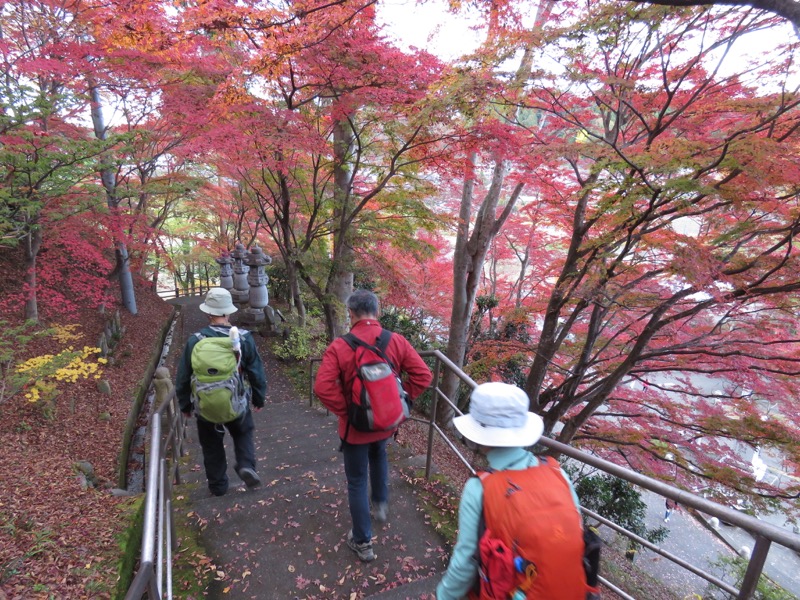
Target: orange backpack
{"x": 533, "y": 541}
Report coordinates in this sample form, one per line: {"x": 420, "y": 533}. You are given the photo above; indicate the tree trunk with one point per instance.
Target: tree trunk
{"x": 340, "y": 278}
{"x": 461, "y": 310}
{"x": 154, "y": 277}
{"x": 33, "y": 242}
{"x": 469, "y": 256}
{"x": 296, "y": 299}
{"x": 108, "y": 179}
{"x": 340, "y": 286}
{"x": 470, "y": 250}
{"x": 288, "y": 248}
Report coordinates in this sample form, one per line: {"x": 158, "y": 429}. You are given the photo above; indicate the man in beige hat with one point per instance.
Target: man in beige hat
{"x": 251, "y": 386}
{"x": 521, "y": 517}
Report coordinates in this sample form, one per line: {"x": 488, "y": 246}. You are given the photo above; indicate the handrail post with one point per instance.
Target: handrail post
{"x": 754, "y": 568}
{"x": 176, "y": 419}
{"x": 165, "y": 535}
{"x": 432, "y": 418}
{"x": 161, "y": 528}
{"x": 310, "y": 382}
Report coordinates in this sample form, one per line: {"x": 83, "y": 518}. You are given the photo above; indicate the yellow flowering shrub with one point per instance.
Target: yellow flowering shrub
{"x": 64, "y": 334}
{"x": 44, "y": 373}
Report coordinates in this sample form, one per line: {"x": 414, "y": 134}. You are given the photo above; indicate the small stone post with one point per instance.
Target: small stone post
{"x": 225, "y": 271}
{"x": 241, "y": 288}
{"x": 163, "y": 385}
{"x": 257, "y": 278}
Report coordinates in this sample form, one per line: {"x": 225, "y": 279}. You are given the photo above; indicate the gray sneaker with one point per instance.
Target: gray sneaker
{"x": 380, "y": 512}
{"x": 363, "y": 550}
{"x": 250, "y": 477}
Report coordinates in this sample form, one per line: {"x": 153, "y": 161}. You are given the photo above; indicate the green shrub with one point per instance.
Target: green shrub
{"x": 617, "y": 500}
{"x": 736, "y": 567}
{"x": 300, "y": 345}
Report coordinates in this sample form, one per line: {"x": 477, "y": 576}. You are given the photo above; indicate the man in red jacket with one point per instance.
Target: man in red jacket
{"x": 365, "y": 452}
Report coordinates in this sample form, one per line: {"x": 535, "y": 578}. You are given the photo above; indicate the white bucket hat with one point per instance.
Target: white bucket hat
{"x": 218, "y": 303}
{"x": 499, "y": 418}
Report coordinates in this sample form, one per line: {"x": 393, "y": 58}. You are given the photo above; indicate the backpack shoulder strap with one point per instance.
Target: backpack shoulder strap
{"x": 476, "y": 556}
{"x": 551, "y": 462}
{"x": 219, "y": 330}
{"x": 379, "y": 348}
{"x": 482, "y": 475}
{"x": 352, "y": 341}
{"x": 383, "y": 341}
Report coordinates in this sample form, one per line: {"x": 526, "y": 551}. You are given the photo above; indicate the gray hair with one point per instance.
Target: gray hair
{"x": 363, "y": 303}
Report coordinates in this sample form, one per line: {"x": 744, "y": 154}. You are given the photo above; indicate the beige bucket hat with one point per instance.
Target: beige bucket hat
{"x": 218, "y": 303}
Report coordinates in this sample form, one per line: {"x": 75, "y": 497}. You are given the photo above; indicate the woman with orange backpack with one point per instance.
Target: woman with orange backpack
{"x": 520, "y": 529}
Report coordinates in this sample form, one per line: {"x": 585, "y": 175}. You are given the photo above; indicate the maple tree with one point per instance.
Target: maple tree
{"x": 495, "y": 137}
{"x": 47, "y": 161}
{"x": 664, "y": 325}
{"x": 56, "y": 67}
{"x": 327, "y": 151}
{"x": 108, "y": 180}
{"x": 159, "y": 79}
{"x": 81, "y": 60}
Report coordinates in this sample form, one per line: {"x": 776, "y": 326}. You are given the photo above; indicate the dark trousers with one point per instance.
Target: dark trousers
{"x": 211, "y": 437}
{"x": 367, "y": 469}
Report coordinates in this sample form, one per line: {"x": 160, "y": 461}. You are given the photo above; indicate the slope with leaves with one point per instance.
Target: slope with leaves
{"x": 59, "y": 538}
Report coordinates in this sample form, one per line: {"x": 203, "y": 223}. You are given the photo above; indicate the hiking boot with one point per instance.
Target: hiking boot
{"x": 380, "y": 512}
{"x": 250, "y": 477}
{"x": 363, "y": 550}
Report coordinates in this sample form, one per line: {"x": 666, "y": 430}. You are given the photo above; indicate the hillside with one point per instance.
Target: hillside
{"x": 58, "y": 535}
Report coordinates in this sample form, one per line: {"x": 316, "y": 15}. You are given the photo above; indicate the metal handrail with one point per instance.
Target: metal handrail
{"x": 158, "y": 529}
{"x": 765, "y": 534}
{"x": 159, "y": 540}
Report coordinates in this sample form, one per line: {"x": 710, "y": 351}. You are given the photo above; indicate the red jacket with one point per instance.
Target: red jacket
{"x": 338, "y": 370}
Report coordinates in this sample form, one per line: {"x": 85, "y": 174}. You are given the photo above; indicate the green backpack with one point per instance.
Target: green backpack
{"x": 219, "y": 393}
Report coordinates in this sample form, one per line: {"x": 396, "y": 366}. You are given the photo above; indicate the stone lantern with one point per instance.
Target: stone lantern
{"x": 225, "y": 271}
{"x": 241, "y": 288}
{"x": 257, "y": 278}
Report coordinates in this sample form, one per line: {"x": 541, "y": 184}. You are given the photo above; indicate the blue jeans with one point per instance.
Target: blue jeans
{"x": 211, "y": 437}
{"x": 363, "y": 462}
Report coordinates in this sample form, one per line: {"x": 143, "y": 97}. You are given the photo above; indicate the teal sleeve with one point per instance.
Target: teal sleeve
{"x": 462, "y": 572}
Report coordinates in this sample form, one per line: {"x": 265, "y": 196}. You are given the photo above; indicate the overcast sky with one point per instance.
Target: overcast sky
{"x": 429, "y": 26}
